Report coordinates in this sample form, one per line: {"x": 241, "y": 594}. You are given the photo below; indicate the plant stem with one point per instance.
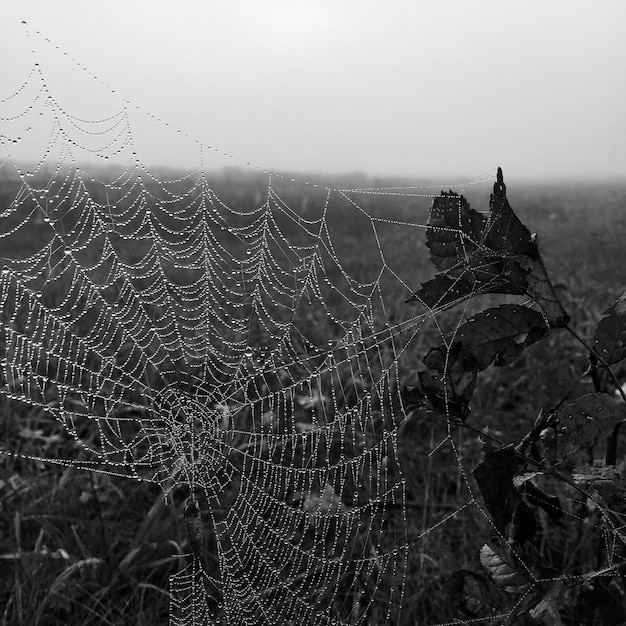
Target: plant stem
{"x": 105, "y": 542}
{"x": 573, "y": 386}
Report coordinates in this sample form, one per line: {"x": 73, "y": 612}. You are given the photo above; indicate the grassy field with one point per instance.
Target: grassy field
{"x": 81, "y": 547}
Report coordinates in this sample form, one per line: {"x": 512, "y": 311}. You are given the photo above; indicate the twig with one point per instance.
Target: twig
{"x": 571, "y": 388}
{"x": 533, "y": 434}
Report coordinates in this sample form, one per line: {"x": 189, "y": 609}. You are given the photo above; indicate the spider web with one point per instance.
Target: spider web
{"x": 181, "y": 335}
{"x": 251, "y": 350}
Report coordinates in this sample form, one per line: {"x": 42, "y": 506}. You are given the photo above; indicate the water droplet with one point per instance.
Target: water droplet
{"x": 5, "y": 270}
{"x": 248, "y": 251}
{"x": 249, "y": 354}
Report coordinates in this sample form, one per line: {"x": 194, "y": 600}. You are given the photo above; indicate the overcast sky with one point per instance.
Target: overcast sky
{"x": 418, "y": 88}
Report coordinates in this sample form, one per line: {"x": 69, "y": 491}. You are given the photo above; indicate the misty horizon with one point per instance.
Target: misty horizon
{"x": 165, "y": 171}
{"x": 440, "y": 91}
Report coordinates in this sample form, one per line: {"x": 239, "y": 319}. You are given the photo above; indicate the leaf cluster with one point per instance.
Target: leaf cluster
{"x": 473, "y": 254}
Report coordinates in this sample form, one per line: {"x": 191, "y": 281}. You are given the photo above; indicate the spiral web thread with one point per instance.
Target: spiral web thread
{"x": 248, "y": 354}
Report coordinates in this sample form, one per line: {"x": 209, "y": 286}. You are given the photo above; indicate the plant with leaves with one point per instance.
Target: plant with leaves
{"x": 520, "y": 579}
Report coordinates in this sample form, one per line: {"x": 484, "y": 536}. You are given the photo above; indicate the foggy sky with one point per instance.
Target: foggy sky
{"x": 417, "y": 88}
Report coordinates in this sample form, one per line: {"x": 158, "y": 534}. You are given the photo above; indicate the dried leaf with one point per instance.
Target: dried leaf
{"x": 504, "y": 568}
{"x": 605, "y": 480}
{"x": 586, "y": 475}
{"x": 610, "y": 337}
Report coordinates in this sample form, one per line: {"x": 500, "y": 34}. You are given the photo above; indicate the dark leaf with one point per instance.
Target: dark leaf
{"x": 474, "y": 595}
{"x": 610, "y": 337}
{"x": 550, "y": 504}
{"x": 495, "y": 481}
{"x": 541, "y": 290}
{"x": 504, "y": 233}
{"x": 455, "y": 232}
{"x": 495, "y": 478}
{"x": 497, "y": 335}
{"x": 476, "y": 255}
{"x": 535, "y": 561}
{"x": 453, "y": 384}
{"x": 589, "y": 419}
{"x": 413, "y": 399}
{"x": 494, "y": 276}
{"x": 462, "y": 241}
{"x": 442, "y": 291}
{"x": 444, "y": 396}
{"x": 455, "y": 363}
{"x": 523, "y": 523}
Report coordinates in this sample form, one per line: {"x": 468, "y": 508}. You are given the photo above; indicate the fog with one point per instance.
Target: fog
{"x": 434, "y": 88}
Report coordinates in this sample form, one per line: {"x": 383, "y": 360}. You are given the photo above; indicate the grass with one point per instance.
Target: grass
{"x": 80, "y": 547}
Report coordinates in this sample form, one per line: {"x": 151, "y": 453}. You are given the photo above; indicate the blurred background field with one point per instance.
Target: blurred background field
{"x": 79, "y": 547}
